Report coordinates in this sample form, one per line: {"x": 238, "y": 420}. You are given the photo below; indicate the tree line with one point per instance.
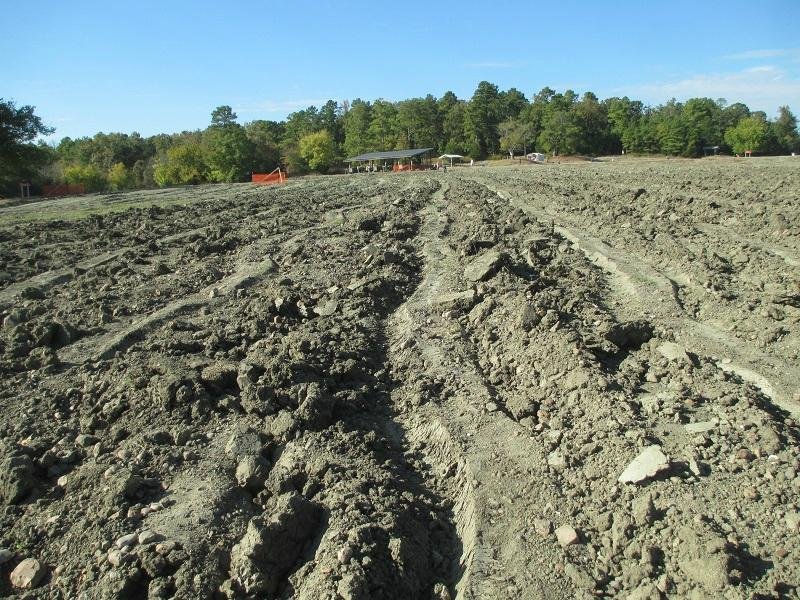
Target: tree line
{"x": 490, "y": 123}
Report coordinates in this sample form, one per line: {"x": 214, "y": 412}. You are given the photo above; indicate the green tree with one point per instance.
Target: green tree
{"x": 784, "y": 130}
{"x": 229, "y": 152}
{"x": 732, "y": 114}
{"x": 265, "y": 139}
{"x": 383, "y": 125}
{"x": 356, "y": 128}
{"x": 624, "y": 117}
{"x": 318, "y": 150}
{"x": 183, "y": 165}
{"x": 702, "y": 118}
{"x": 591, "y": 119}
{"x": 483, "y": 117}
{"x": 512, "y": 103}
{"x": 119, "y": 178}
{"x": 222, "y": 116}
{"x": 89, "y": 176}
{"x": 559, "y": 135}
{"x": 515, "y": 136}
{"x": 418, "y": 124}
{"x": 454, "y": 128}
{"x": 749, "y": 134}
{"x": 20, "y": 158}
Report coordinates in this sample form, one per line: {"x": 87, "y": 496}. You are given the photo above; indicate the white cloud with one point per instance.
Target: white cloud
{"x": 764, "y": 87}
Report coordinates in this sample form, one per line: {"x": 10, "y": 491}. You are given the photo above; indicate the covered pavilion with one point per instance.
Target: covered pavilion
{"x": 396, "y": 156}
{"x": 451, "y": 157}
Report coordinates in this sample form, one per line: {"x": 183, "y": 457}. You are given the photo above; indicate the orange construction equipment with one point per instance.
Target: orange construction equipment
{"x": 276, "y": 176}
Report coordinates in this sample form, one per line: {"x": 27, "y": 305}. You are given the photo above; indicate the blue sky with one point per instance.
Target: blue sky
{"x": 153, "y": 67}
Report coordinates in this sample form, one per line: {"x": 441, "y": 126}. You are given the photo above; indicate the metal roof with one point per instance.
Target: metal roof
{"x": 391, "y": 154}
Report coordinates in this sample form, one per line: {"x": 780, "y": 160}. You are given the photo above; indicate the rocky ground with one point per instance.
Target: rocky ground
{"x": 549, "y": 381}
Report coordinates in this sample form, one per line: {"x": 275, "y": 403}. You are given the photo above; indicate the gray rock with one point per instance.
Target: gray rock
{"x": 251, "y": 473}
{"x": 673, "y": 351}
{"x": 579, "y": 576}
{"x": 484, "y": 266}
{"x": 699, "y": 427}
{"x": 5, "y": 555}
{"x": 272, "y": 545}
{"x": 326, "y": 309}
{"x": 644, "y": 511}
{"x": 712, "y": 572}
{"x": 650, "y": 462}
{"x": 792, "y": 520}
{"x": 567, "y": 536}
{"x": 85, "y": 440}
{"x": 543, "y": 527}
{"x": 456, "y": 300}
{"x": 16, "y": 478}
{"x": 27, "y": 574}
{"x": 148, "y": 536}
{"x": 245, "y": 441}
{"x": 130, "y": 539}
{"x": 557, "y": 461}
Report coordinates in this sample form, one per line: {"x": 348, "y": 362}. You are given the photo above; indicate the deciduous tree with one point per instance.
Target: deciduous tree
{"x": 749, "y": 134}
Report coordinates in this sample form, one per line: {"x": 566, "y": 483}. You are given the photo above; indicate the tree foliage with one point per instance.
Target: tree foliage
{"x": 749, "y": 134}
{"x": 491, "y": 122}
{"x": 20, "y": 158}
{"x": 182, "y": 165}
{"x": 318, "y": 151}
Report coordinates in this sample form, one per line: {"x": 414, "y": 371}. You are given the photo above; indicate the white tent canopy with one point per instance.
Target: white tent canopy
{"x": 451, "y": 157}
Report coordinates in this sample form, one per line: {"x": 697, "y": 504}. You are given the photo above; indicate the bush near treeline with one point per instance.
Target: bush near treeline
{"x": 492, "y": 122}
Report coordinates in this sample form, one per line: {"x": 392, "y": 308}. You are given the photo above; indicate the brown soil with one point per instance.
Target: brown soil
{"x": 409, "y": 386}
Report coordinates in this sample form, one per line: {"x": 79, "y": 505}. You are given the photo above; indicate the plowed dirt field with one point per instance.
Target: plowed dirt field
{"x": 550, "y": 381}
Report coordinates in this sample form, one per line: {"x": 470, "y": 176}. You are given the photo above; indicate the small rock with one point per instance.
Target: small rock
{"x": 567, "y": 536}
{"x": 543, "y": 527}
{"x": 115, "y": 557}
{"x": 148, "y": 536}
{"x": 484, "y": 266}
{"x": 673, "y": 351}
{"x": 251, "y": 472}
{"x": 331, "y": 307}
{"x": 245, "y": 441}
{"x": 744, "y": 454}
{"x": 27, "y": 574}
{"x": 699, "y": 427}
{"x": 650, "y": 462}
{"x": 793, "y": 521}
{"x": 644, "y": 510}
{"x": 85, "y": 440}
{"x": 344, "y": 555}
{"x": 713, "y": 572}
{"x": 166, "y": 547}
{"x": 455, "y": 300}
{"x": 751, "y": 493}
{"x": 5, "y": 555}
{"x": 130, "y": 539}
{"x": 440, "y": 592}
{"x": 557, "y": 461}
{"x": 579, "y": 576}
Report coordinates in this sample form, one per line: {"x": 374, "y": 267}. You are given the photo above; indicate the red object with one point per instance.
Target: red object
{"x": 397, "y": 167}
{"x": 63, "y": 190}
{"x": 274, "y": 177}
